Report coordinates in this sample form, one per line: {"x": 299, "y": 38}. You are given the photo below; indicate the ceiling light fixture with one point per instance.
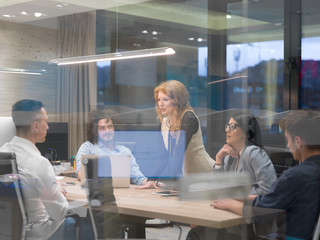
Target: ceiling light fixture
{"x": 22, "y": 71}
{"x": 115, "y": 56}
{"x": 37, "y": 14}
{"x": 61, "y": 5}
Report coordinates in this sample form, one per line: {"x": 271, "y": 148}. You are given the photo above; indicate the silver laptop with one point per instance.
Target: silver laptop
{"x": 115, "y": 166}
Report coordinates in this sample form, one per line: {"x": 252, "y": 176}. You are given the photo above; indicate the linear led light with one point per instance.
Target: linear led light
{"x": 21, "y": 71}
{"x": 115, "y": 56}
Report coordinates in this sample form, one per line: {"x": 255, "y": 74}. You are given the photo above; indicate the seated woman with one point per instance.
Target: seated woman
{"x": 243, "y": 152}
{"x": 100, "y": 134}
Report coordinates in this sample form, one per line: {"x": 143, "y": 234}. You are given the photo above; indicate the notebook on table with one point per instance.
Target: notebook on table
{"x": 104, "y": 166}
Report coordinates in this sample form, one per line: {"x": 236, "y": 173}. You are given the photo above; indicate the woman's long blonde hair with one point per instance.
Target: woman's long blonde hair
{"x": 179, "y": 96}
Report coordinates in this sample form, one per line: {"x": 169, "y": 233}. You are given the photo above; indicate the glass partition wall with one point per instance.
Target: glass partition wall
{"x": 246, "y": 64}
{"x": 259, "y": 55}
{"x": 309, "y": 88}
{"x": 229, "y": 54}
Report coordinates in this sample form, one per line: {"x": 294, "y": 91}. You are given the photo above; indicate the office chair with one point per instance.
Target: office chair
{"x": 266, "y": 223}
{"x": 14, "y": 223}
{"x": 316, "y": 234}
{"x": 282, "y": 161}
{"x": 13, "y": 217}
{"x": 101, "y": 202}
{"x": 7, "y": 130}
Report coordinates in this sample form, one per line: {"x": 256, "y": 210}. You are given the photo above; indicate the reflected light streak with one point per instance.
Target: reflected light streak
{"x": 228, "y": 79}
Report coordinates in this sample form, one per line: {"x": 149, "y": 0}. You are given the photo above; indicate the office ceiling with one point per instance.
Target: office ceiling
{"x": 185, "y": 12}
{"x": 182, "y": 19}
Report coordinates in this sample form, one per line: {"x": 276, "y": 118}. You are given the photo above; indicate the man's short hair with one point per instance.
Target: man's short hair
{"x": 94, "y": 117}
{"x": 24, "y": 113}
{"x": 305, "y": 124}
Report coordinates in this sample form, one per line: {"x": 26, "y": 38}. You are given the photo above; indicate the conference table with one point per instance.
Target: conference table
{"x": 143, "y": 203}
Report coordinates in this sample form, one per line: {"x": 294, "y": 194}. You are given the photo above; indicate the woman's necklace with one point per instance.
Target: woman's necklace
{"x": 168, "y": 123}
{"x": 172, "y": 132}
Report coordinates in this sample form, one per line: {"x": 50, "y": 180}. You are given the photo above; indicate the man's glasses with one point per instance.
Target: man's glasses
{"x": 231, "y": 126}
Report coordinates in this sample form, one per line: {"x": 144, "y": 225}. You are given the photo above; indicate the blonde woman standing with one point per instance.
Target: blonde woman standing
{"x": 180, "y": 129}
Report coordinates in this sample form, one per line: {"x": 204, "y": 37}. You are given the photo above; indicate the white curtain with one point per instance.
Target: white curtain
{"x": 77, "y": 84}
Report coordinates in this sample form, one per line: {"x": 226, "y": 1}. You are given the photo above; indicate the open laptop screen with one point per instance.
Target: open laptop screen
{"x": 151, "y": 154}
{"x": 116, "y": 167}
{"x": 103, "y": 166}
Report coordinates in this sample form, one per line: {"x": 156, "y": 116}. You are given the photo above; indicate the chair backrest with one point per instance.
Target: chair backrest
{"x": 101, "y": 202}
{"x": 282, "y": 161}
{"x": 7, "y": 130}
{"x": 13, "y": 218}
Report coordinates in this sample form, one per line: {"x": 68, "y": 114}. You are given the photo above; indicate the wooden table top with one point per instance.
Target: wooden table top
{"x": 143, "y": 203}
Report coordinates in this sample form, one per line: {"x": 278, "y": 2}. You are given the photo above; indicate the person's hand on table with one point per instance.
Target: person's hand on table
{"x": 252, "y": 197}
{"x": 228, "y": 204}
{"x": 63, "y": 188}
{"x": 150, "y": 184}
{"x": 219, "y": 204}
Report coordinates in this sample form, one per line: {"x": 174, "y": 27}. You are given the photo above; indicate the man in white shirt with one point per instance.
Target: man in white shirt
{"x": 45, "y": 202}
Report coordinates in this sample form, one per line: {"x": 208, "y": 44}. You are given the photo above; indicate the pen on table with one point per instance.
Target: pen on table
{"x": 71, "y": 183}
